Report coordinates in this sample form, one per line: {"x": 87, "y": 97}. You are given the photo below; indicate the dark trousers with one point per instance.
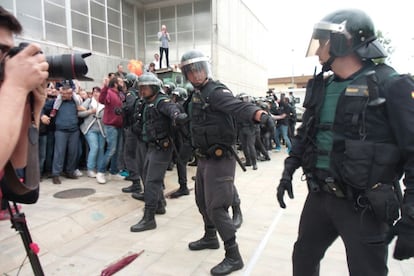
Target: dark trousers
{"x": 325, "y": 218}
{"x": 162, "y": 50}
{"x": 66, "y": 150}
{"x": 248, "y": 140}
{"x": 214, "y": 192}
{"x": 131, "y": 155}
{"x": 155, "y": 166}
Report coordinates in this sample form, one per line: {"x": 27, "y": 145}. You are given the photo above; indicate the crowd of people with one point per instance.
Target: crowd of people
{"x": 354, "y": 145}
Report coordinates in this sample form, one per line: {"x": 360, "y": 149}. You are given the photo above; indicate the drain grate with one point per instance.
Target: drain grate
{"x": 74, "y": 193}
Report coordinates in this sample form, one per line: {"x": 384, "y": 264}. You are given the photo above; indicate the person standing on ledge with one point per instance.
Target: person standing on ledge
{"x": 164, "y": 38}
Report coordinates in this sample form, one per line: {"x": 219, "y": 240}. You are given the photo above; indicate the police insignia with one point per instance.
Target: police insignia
{"x": 356, "y": 90}
{"x": 226, "y": 91}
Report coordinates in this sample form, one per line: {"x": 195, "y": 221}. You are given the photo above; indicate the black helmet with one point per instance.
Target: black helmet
{"x": 151, "y": 80}
{"x": 180, "y": 93}
{"x": 349, "y": 31}
{"x": 130, "y": 80}
{"x": 195, "y": 61}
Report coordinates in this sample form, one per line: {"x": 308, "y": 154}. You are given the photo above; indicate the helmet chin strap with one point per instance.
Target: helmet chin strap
{"x": 327, "y": 65}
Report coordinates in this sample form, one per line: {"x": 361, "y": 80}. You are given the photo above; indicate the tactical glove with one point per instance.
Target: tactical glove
{"x": 404, "y": 229}
{"x": 285, "y": 184}
{"x": 180, "y": 118}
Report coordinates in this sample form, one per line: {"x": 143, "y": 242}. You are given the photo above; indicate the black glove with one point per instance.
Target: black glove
{"x": 285, "y": 184}
{"x": 180, "y": 118}
{"x": 404, "y": 229}
{"x": 267, "y": 122}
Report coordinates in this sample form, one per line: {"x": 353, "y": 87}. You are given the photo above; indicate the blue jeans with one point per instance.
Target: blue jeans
{"x": 112, "y": 134}
{"x": 96, "y": 143}
{"x": 42, "y": 152}
{"x": 282, "y": 129}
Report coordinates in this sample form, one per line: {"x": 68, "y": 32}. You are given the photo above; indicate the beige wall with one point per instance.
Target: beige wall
{"x": 237, "y": 58}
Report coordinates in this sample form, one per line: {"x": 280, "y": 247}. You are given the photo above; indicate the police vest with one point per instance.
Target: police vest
{"x": 364, "y": 151}
{"x": 208, "y": 126}
{"x": 156, "y": 126}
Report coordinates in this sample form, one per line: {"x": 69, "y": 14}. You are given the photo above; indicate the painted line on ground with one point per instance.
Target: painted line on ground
{"x": 259, "y": 250}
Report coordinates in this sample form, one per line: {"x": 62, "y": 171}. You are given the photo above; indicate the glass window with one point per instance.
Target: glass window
{"x": 114, "y": 48}
{"x": 114, "y": 33}
{"x": 32, "y": 27}
{"x": 113, "y": 4}
{"x": 80, "y": 40}
{"x": 98, "y": 28}
{"x": 168, "y": 12}
{"x": 8, "y": 5}
{"x": 80, "y": 22}
{"x": 114, "y": 17}
{"x": 184, "y": 10}
{"x": 127, "y": 9}
{"x": 152, "y": 28}
{"x": 151, "y": 15}
{"x": 99, "y": 44}
{"x": 202, "y": 17}
{"x": 184, "y": 23}
{"x": 80, "y": 6}
{"x": 56, "y": 33}
{"x": 129, "y": 37}
{"x": 97, "y": 11}
{"x": 29, "y": 7}
{"x": 59, "y": 2}
{"x": 55, "y": 14}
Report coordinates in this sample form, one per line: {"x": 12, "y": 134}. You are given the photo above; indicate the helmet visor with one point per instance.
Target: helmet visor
{"x": 322, "y": 34}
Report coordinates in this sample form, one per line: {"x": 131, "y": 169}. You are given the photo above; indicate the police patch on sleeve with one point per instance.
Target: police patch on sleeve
{"x": 226, "y": 91}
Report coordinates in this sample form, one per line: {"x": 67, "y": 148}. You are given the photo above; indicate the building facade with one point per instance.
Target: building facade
{"x": 116, "y": 31}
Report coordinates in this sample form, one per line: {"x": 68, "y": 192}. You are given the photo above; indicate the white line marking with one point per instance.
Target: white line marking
{"x": 263, "y": 243}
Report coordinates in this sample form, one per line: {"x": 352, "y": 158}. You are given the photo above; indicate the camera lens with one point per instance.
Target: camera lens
{"x": 68, "y": 66}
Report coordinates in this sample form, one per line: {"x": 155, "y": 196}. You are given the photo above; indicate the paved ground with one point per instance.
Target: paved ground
{"x": 82, "y": 236}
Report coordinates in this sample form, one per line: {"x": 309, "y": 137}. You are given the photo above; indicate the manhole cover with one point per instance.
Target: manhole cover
{"x": 74, "y": 193}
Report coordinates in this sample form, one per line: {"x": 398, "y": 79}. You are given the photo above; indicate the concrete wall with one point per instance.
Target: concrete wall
{"x": 237, "y": 58}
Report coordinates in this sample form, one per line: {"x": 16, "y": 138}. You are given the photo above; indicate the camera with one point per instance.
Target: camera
{"x": 66, "y": 66}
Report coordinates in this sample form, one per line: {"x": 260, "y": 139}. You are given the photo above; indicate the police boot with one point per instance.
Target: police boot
{"x": 161, "y": 207}
{"x": 146, "y": 223}
{"x": 208, "y": 241}
{"x": 134, "y": 188}
{"x": 138, "y": 196}
{"x": 183, "y": 190}
{"x": 237, "y": 216}
{"x": 232, "y": 262}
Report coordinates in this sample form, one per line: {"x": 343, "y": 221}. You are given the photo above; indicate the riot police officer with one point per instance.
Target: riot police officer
{"x": 212, "y": 110}
{"x": 159, "y": 115}
{"x": 131, "y": 148}
{"x": 355, "y": 144}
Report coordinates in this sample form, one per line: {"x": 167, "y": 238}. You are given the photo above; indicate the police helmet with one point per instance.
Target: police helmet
{"x": 170, "y": 86}
{"x": 195, "y": 61}
{"x": 151, "y": 80}
{"x": 348, "y": 31}
{"x": 189, "y": 87}
{"x": 180, "y": 93}
{"x": 131, "y": 80}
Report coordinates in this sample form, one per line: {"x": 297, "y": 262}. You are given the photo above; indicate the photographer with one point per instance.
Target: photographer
{"x": 20, "y": 74}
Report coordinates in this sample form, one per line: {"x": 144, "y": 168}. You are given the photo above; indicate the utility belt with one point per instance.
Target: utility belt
{"x": 214, "y": 152}
{"x": 160, "y": 144}
{"x": 382, "y": 198}
{"x": 321, "y": 180}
